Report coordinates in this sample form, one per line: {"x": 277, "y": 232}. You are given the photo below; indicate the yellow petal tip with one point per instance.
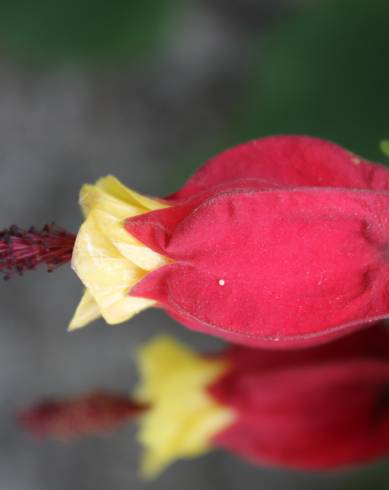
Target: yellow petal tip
{"x": 86, "y": 312}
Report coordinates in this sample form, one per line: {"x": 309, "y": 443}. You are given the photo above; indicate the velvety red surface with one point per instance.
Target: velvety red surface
{"x": 288, "y": 161}
{"x": 280, "y": 242}
{"x": 321, "y": 408}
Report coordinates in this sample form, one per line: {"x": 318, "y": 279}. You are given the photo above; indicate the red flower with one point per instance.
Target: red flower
{"x": 278, "y": 242}
{"x": 321, "y": 408}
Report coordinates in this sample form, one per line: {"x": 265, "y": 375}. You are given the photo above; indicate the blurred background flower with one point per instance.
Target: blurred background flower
{"x": 147, "y": 91}
{"x": 283, "y": 409}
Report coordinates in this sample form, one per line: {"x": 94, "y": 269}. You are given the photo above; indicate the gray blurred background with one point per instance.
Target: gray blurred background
{"x": 218, "y": 72}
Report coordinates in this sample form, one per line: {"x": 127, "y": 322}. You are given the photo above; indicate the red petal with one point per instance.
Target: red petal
{"x": 371, "y": 343}
{"x": 293, "y": 266}
{"x": 288, "y": 161}
{"x": 319, "y": 410}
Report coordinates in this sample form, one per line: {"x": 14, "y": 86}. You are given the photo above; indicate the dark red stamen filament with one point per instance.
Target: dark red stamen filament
{"x": 92, "y": 414}
{"x": 23, "y": 250}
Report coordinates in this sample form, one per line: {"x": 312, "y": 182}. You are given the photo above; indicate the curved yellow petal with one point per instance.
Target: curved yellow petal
{"x": 183, "y": 418}
{"x": 91, "y": 197}
{"x": 86, "y": 312}
{"x": 106, "y": 273}
{"x": 128, "y": 246}
{"x": 108, "y": 260}
{"x": 112, "y": 186}
{"x": 111, "y": 195}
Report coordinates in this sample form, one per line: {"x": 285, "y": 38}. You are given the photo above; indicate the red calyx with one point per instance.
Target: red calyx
{"x": 23, "y": 250}
{"x": 322, "y": 408}
{"x": 93, "y": 414}
{"x": 281, "y": 242}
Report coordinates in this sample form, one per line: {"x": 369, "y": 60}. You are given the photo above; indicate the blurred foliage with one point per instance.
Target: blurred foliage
{"x": 322, "y": 72}
{"x": 385, "y": 147}
{"x": 48, "y": 31}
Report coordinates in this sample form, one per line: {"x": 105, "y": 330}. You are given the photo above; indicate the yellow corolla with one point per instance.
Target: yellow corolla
{"x": 182, "y": 418}
{"x": 107, "y": 259}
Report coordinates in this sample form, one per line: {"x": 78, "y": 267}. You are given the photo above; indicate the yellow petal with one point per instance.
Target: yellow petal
{"x": 91, "y": 197}
{"x": 112, "y": 186}
{"x": 183, "y": 418}
{"x": 87, "y": 311}
{"x": 113, "y": 203}
{"x": 108, "y": 260}
{"x": 128, "y": 246}
{"x": 107, "y": 274}
{"x": 111, "y": 195}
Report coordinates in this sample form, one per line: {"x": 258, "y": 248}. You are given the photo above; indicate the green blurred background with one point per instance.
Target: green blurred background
{"x": 148, "y": 91}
